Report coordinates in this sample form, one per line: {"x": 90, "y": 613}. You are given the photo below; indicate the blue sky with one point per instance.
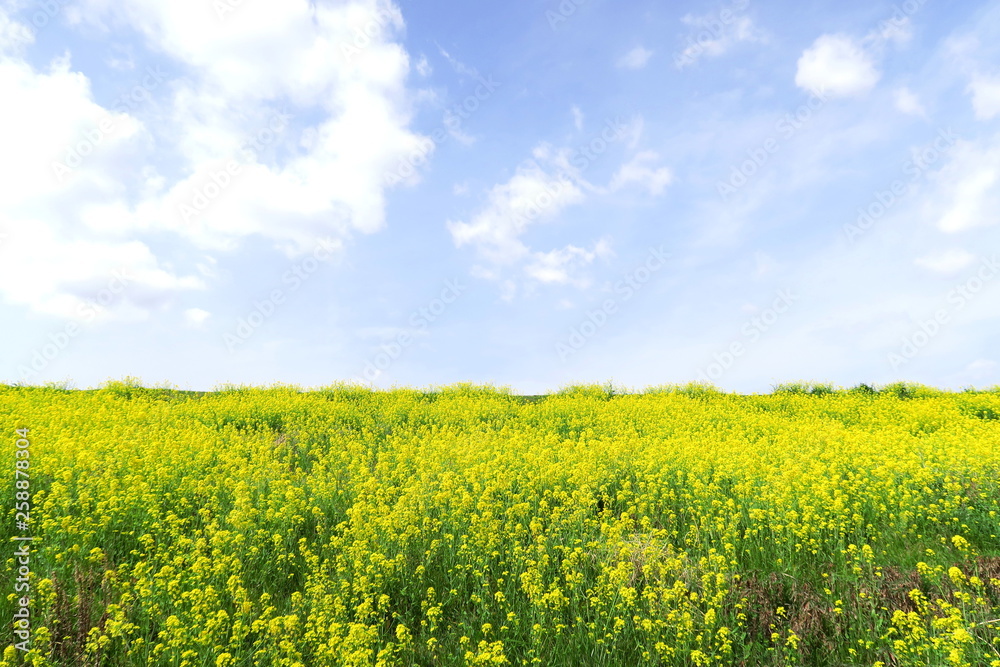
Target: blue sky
{"x": 528, "y": 194}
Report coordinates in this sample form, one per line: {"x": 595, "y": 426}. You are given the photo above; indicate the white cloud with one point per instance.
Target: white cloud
{"x": 966, "y": 190}
{"x": 949, "y": 261}
{"x": 456, "y": 131}
{"x": 424, "y": 67}
{"x": 837, "y": 65}
{"x": 532, "y": 195}
{"x": 974, "y": 55}
{"x": 64, "y": 275}
{"x": 196, "y": 317}
{"x": 715, "y": 37}
{"x": 636, "y": 171}
{"x": 558, "y": 266}
{"x": 635, "y": 130}
{"x": 458, "y": 65}
{"x": 635, "y": 59}
{"x": 577, "y": 118}
{"x": 309, "y": 54}
{"x": 539, "y": 191}
{"x": 985, "y": 92}
{"x": 236, "y": 70}
{"x": 14, "y": 35}
{"x": 67, "y": 234}
{"x": 899, "y": 31}
{"x": 120, "y": 57}
{"x": 907, "y": 102}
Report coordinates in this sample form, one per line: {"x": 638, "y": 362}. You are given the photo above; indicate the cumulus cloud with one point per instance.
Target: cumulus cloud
{"x": 65, "y": 233}
{"x": 213, "y": 156}
{"x": 844, "y": 66}
{"x": 74, "y": 277}
{"x": 837, "y": 65}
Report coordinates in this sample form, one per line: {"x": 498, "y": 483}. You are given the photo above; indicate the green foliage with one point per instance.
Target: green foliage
{"x": 810, "y": 388}
{"x": 691, "y": 390}
{"x": 603, "y": 392}
{"x": 471, "y": 390}
{"x": 908, "y": 390}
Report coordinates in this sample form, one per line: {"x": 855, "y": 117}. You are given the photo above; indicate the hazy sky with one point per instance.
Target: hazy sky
{"x": 528, "y": 194}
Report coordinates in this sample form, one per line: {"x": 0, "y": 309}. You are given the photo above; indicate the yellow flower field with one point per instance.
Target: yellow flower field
{"x": 468, "y": 526}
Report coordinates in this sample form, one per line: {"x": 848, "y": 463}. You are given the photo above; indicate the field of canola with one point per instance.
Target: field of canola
{"x": 467, "y": 526}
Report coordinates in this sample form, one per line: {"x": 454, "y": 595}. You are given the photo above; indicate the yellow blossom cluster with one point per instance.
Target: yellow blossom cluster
{"x": 469, "y": 526}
